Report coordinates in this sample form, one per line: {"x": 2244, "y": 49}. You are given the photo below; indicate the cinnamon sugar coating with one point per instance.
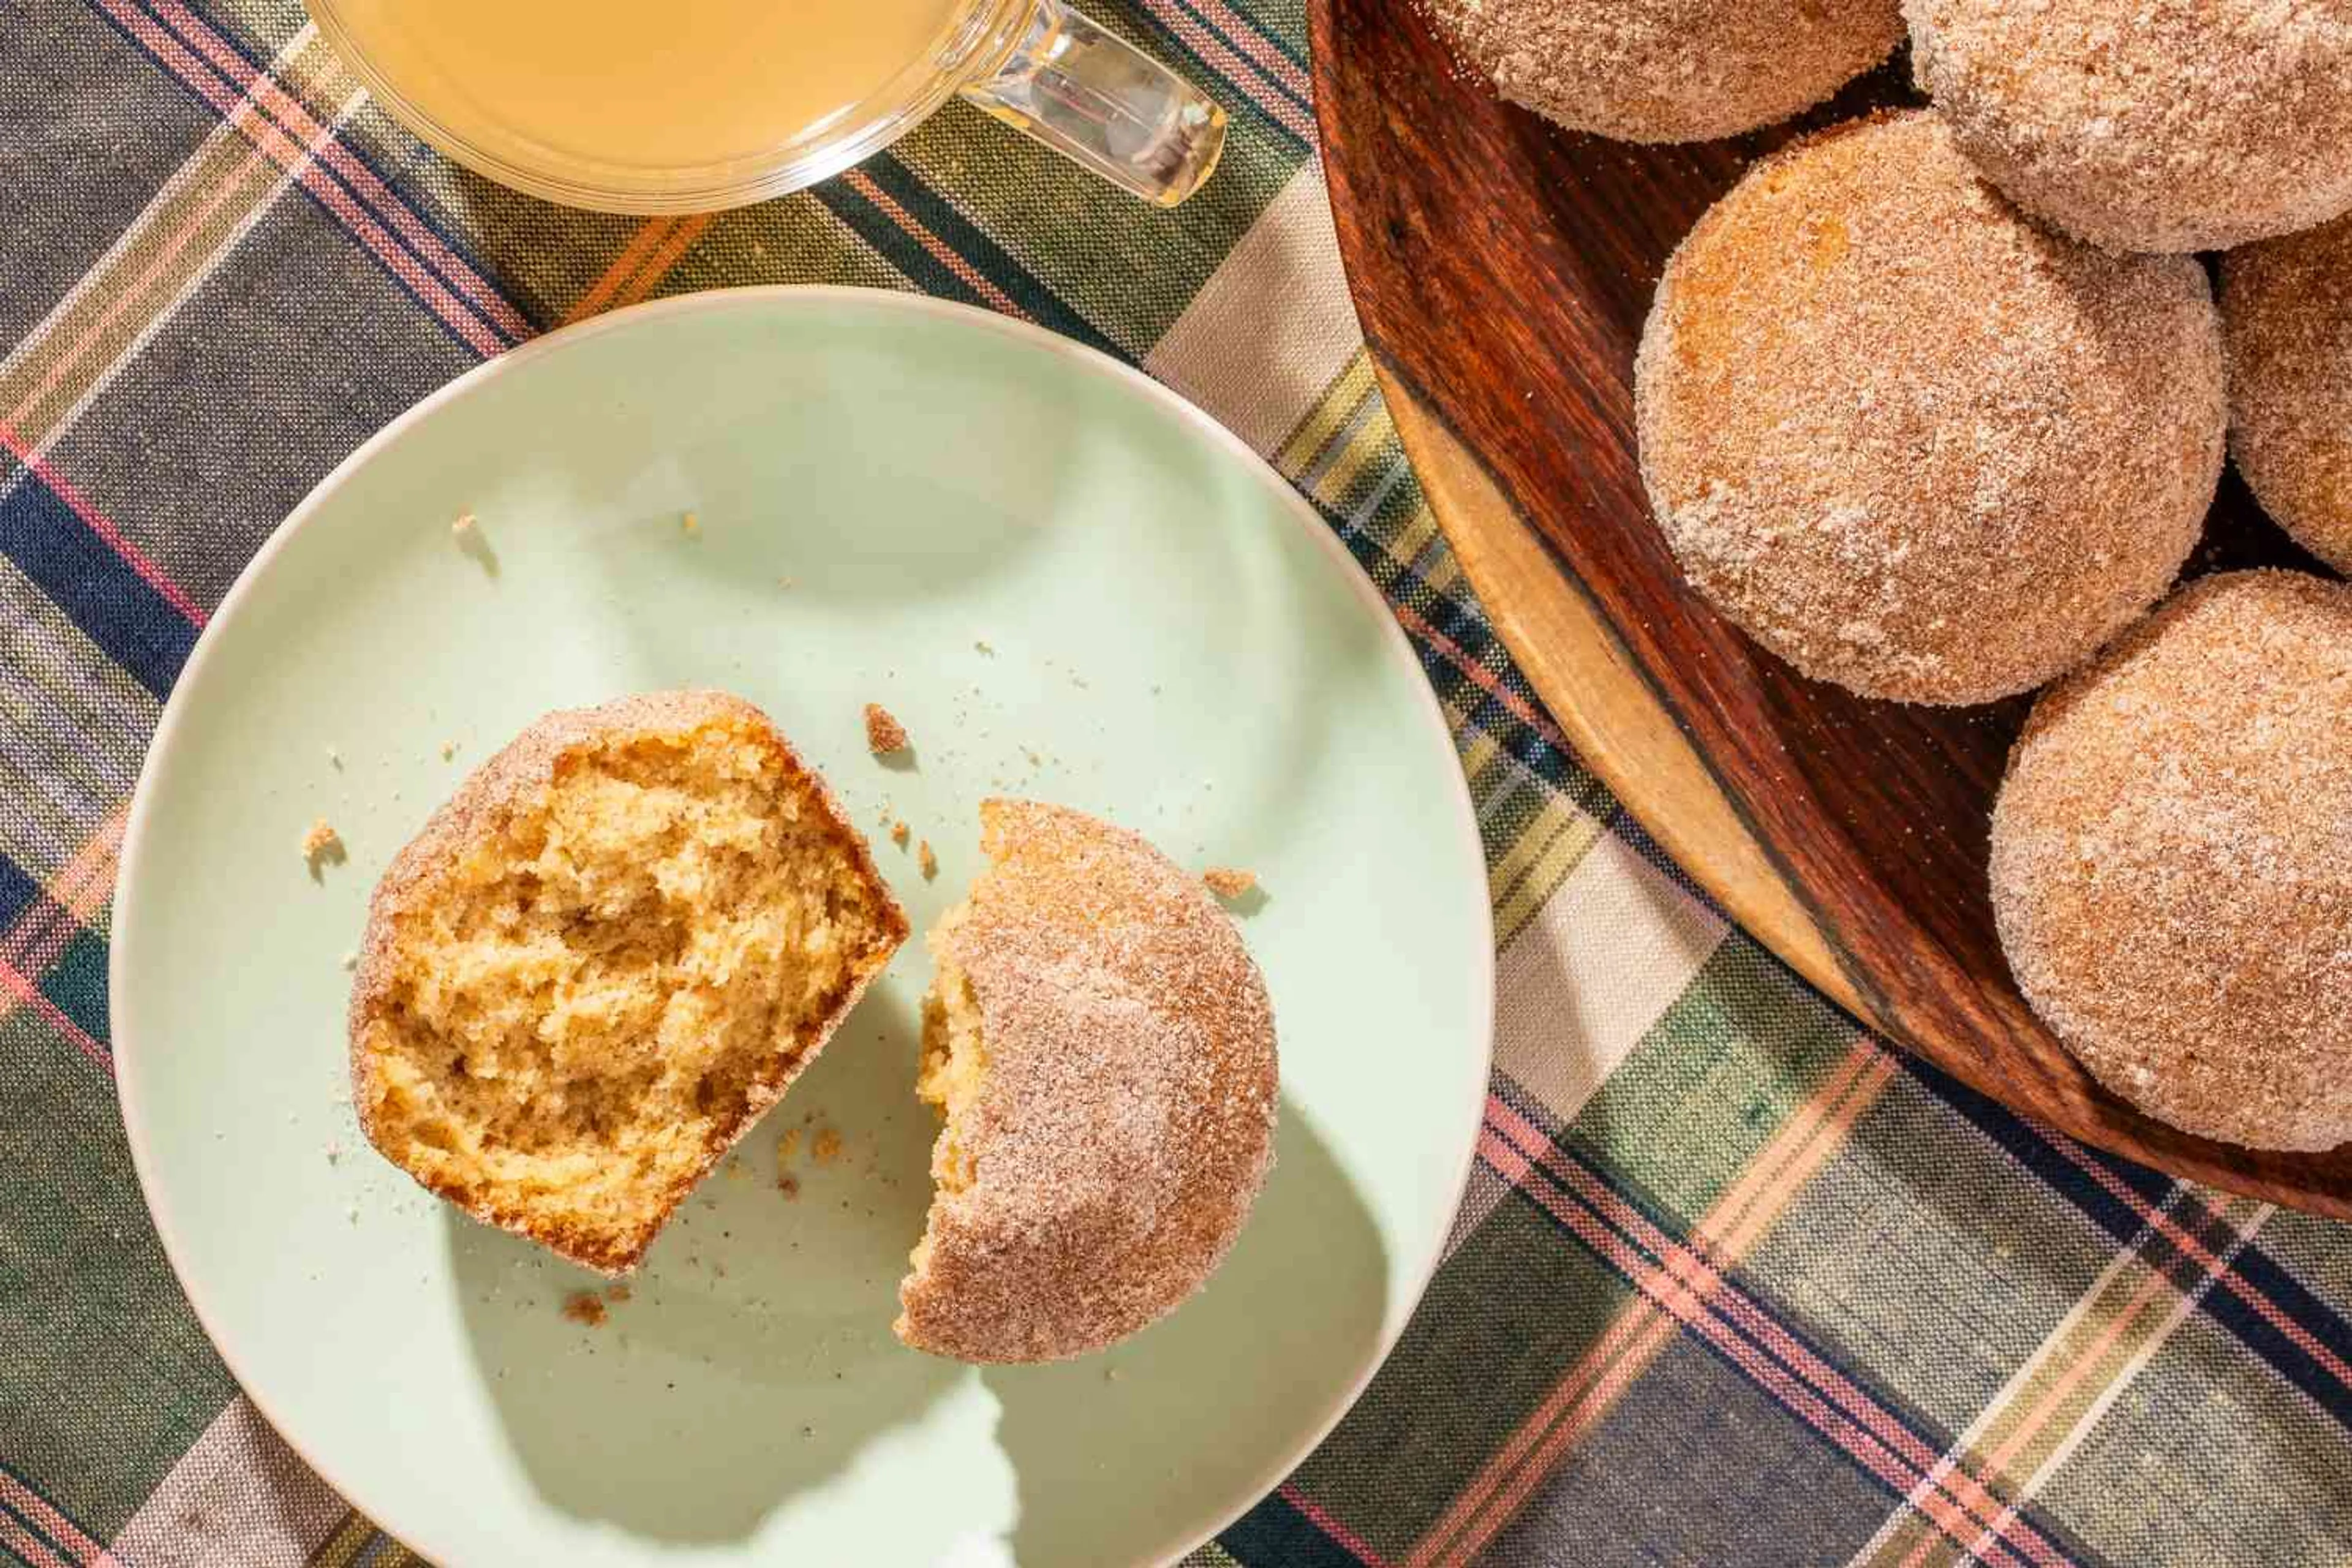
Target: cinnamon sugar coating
{"x": 2172, "y": 862}
{"x": 2170, "y": 125}
{"x": 1670, "y": 70}
{"x": 1102, "y": 1046}
{"x": 1911, "y": 442}
{"x": 2286, "y": 312}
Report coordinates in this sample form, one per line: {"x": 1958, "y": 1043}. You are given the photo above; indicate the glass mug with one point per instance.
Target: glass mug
{"x": 624, "y": 106}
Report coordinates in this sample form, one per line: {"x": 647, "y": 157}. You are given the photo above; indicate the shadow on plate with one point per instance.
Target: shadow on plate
{"x": 751, "y": 1357}
{"x": 1128, "y": 1444}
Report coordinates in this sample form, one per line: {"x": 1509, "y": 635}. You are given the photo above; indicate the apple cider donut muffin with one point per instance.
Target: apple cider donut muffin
{"x": 603, "y": 957}
{"x": 2172, "y": 862}
{"x": 1100, "y": 1048}
{"x": 1671, "y": 70}
{"x": 2150, "y": 124}
{"x": 2286, "y": 313}
{"x": 1911, "y": 442}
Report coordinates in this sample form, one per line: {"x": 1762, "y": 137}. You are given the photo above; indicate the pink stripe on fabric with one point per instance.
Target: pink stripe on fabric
{"x": 13, "y": 981}
{"x": 1276, "y": 103}
{"x": 1723, "y": 1306}
{"x": 1678, "y": 1301}
{"x": 477, "y": 290}
{"x": 28, "y": 1546}
{"x": 166, "y": 254}
{"x": 1323, "y": 1520}
{"x": 70, "y": 901}
{"x": 2050, "y": 1398}
{"x": 1687, "y": 1267}
{"x": 945, "y": 254}
{"x": 2188, "y": 1301}
{"x": 64, "y": 907}
{"x": 91, "y": 1552}
{"x": 173, "y": 594}
{"x": 1606, "y": 1367}
{"x": 477, "y": 333}
{"x": 2223, "y": 1272}
{"x": 1479, "y": 676}
{"x": 1247, "y": 38}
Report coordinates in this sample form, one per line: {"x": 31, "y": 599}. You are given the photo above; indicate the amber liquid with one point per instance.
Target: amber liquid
{"x": 678, "y": 84}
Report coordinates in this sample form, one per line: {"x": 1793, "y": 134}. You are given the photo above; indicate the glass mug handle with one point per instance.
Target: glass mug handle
{"x": 1095, "y": 100}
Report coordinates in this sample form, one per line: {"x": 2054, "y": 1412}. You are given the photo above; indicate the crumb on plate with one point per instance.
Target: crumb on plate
{"x": 1229, "y": 881}
{"x": 584, "y": 1307}
{"x": 898, "y": 833}
{"x": 322, "y": 846}
{"x": 689, "y": 524}
{"x": 826, "y": 1149}
{"x": 928, "y": 862}
{"x": 883, "y": 733}
{"x": 464, "y": 526}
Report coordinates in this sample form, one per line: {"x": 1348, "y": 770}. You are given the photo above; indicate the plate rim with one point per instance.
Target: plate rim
{"x": 123, "y": 1029}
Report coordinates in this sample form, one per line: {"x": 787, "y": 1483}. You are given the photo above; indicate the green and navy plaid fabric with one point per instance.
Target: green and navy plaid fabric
{"x": 1734, "y": 1283}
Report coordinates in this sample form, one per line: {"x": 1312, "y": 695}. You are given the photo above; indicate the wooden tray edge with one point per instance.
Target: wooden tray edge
{"x": 1618, "y": 728}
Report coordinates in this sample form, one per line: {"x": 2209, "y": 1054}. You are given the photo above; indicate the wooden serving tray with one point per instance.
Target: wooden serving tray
{"x": 1502, "y": 268}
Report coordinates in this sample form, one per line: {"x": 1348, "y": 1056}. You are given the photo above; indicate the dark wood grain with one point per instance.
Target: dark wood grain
{"x": 1502, "y": 269}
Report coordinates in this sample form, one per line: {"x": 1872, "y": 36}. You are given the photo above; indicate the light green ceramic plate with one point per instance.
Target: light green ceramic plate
{"x": 1069, "y": 585}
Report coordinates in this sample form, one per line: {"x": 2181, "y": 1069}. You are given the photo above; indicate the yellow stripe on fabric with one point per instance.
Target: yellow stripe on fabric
{"x": 1374, "y": 437}
{"x": 794, "y": 241}
{"x": 1478, "y": 750}
{"x": 1330, "y": 412}
{"x": 1540, "y": 859}
{"x": 1414, "y": 536}
{"x": 1259, "y": 370}
{"x": 338, "y": 1549}
{"x": 1443, "y": 574}
{"x": 198, "y": 215}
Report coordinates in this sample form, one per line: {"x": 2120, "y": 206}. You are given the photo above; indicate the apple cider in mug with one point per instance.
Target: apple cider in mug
{"x": 685, "y": 83}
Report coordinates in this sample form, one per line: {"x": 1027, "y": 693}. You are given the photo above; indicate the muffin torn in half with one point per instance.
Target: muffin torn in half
{"x": 602, "y": 960}
{"x": 1100, "y": 1048}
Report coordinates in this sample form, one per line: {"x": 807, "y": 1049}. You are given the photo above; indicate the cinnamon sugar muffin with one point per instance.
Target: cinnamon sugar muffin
{"x": 2170, "y": 125}
{"x": 1670, "y": 70}
{"x": 603, "y": 957}
{"x": 2286, "y": 313}
{"x": 1909, "y": 441}
{"x": 2172, "y": 862}
{"x": 1101, "y": 1051}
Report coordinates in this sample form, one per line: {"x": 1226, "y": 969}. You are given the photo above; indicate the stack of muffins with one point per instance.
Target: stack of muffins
{"x": 1934, "y": 405}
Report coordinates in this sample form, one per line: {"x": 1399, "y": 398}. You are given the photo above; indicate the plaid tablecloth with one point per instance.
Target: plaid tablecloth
{"x": 1734, "y": 1284}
